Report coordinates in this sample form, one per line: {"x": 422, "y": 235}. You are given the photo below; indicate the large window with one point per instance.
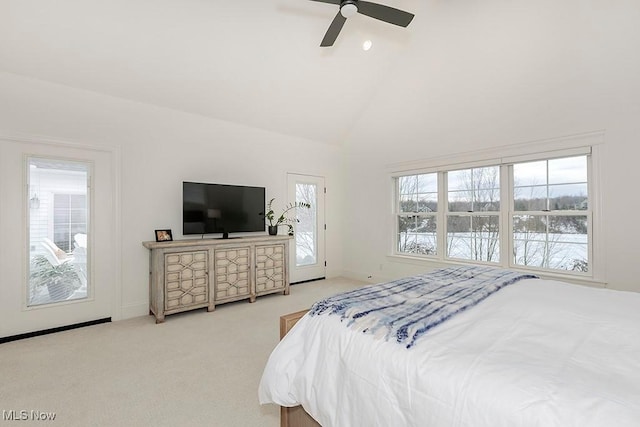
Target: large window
{"x": 530, "y": 214}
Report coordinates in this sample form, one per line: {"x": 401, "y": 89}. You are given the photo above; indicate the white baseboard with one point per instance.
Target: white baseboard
{"x": 357, "y": 275}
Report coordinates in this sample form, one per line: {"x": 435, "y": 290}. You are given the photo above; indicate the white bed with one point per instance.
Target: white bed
{"x": 536, "y": 353}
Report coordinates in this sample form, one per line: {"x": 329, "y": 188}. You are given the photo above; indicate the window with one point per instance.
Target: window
{"x": 532, "y": 213}
{"x": 417, "y": 214}
{"x": 473, "y": 208}
{"x": 551, "y": 214}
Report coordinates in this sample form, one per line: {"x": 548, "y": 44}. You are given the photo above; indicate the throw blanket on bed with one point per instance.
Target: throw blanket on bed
{"x": 407, "y": 308}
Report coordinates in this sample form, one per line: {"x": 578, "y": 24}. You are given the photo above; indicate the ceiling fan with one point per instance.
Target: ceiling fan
{"x": 349, "y": 8}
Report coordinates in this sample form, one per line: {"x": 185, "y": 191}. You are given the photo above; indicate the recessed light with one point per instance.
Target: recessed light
{"x": 367, "y": 45}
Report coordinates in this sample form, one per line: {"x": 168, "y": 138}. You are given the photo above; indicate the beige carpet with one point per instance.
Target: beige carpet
{"x": 196, "y": 369}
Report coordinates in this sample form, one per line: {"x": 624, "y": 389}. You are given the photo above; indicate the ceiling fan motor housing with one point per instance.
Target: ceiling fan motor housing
{"x": 349, "y": 8}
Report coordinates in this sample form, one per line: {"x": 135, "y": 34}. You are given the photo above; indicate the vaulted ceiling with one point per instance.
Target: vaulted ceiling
{"x": 256, "y": 62}
{"x": 498, "y": 67}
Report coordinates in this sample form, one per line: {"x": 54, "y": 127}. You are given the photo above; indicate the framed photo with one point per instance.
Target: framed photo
{"x": 163, "y": 236}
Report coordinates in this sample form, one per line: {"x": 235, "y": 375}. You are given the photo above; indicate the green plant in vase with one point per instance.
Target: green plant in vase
{"x": 284, "y": 218}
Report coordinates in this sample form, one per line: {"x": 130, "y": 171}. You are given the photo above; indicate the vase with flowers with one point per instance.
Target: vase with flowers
{"x": 285, "y": 217}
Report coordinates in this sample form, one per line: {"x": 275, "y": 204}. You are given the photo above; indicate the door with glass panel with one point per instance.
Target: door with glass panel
{"x": 58, "y": 192}
{"x": 59, "y": 219}
{"x": 307, "y": 253}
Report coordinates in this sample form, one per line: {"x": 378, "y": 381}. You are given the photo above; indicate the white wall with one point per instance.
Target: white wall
{"x": 485, "y": 74}
{"x": 159, "y": 149}
{"x": 496, "y": 73}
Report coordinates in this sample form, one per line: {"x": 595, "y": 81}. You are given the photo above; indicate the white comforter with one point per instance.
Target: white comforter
{"x": 537, "y": 353}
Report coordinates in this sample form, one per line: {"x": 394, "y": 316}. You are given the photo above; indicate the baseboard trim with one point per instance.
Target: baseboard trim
{"x": 307, "y": 281}
{"x": 53, "y": 330}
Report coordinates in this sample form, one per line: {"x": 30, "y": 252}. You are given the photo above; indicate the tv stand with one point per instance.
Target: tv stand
{"x": 197, "y": 273}
{"x": 225, "y": 235}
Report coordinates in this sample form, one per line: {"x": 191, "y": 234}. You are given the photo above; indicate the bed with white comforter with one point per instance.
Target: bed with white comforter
{"x": 536, "y": 353}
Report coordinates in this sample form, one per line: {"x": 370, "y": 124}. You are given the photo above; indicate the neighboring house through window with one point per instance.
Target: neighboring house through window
{"x": 69, "y": 219}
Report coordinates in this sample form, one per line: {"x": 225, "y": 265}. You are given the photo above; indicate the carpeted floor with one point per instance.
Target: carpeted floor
{"x": 196, "y": 369}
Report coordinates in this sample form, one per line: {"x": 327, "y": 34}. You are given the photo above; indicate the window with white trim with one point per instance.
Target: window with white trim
{"x": 550, "y": 217}
{"x": 531, "y": 213}
{"x": 417, "y": 214}
{"x": 473, "y": 214}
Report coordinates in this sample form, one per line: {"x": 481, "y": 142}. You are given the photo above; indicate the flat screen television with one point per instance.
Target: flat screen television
{"x": 221, "y": 208}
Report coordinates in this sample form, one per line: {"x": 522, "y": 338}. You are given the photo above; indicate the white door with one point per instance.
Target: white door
{"x": 58, "y": 222}
{"x": 307, "y": 258}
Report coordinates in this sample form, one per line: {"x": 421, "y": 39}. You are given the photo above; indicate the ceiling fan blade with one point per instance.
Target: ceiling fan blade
{"x": 385, "y": 13}
{"x": 328, "y": 1}
{"x": 333, "y": 31}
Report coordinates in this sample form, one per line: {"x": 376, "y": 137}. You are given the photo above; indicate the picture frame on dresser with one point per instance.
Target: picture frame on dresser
{"x": 164, "y": 235}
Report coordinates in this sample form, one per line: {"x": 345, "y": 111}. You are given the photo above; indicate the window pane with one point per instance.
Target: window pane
{"x": 566, "y": 188}
{"x": 306, "y": 229}
{"x": 459, "y": 236}
{"x": 530, "y": 173}
{"x": 569, "y": 226}
{"x": 407, "y": 187}
{"x": 408, "y": 203}
{"x": 78, "y": 201}
{"x": 554, "y": 242}
{"x": 418, "y": 193}
{"x": 485, "y": 179}
{"x": 568, "y": 170}
{"x": 473, "y": 237}
{"x": 530, "y": 198}
{"x": 57, "y": 231}
{"x": 487, "y": 200}
{"x": 458, "y": 180}
{"x": 407, "y": 184}
{"x": 78, "y": 216}
{"x": 474, "y": 190}
{"x": 428, "y": 183}
{"x": 530, "y": 240}
{"x": 417, "y": 234}
{"x": 568, "y": 197}
{"x": 460, "y": 201}
{"x": 428, "y": 202}
{"x": 486, "y": 238}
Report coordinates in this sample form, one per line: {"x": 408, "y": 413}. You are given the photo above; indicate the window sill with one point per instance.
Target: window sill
{"x": 434, "y": 263}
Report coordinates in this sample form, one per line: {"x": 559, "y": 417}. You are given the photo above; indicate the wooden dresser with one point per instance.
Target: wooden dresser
{"x": 191, "y": 274}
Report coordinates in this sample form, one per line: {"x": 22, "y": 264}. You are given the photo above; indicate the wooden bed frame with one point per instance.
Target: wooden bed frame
{"x": 295, "y": 416}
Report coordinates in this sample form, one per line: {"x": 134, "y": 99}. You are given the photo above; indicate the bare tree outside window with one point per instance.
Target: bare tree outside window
{"x": 417, "y": 222}
{"x": 548, "y": 210}
{"x": 473, "y": 226}
{"x": 550, "y": 228}
{"x": 306, "y": 232}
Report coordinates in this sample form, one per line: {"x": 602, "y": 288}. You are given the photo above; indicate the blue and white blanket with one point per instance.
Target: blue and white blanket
{"x": 407, "y": 308}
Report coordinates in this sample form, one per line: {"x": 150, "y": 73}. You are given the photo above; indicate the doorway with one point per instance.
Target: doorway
{"x": 59, "y": 219}
{"x": 307, "y": 258}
